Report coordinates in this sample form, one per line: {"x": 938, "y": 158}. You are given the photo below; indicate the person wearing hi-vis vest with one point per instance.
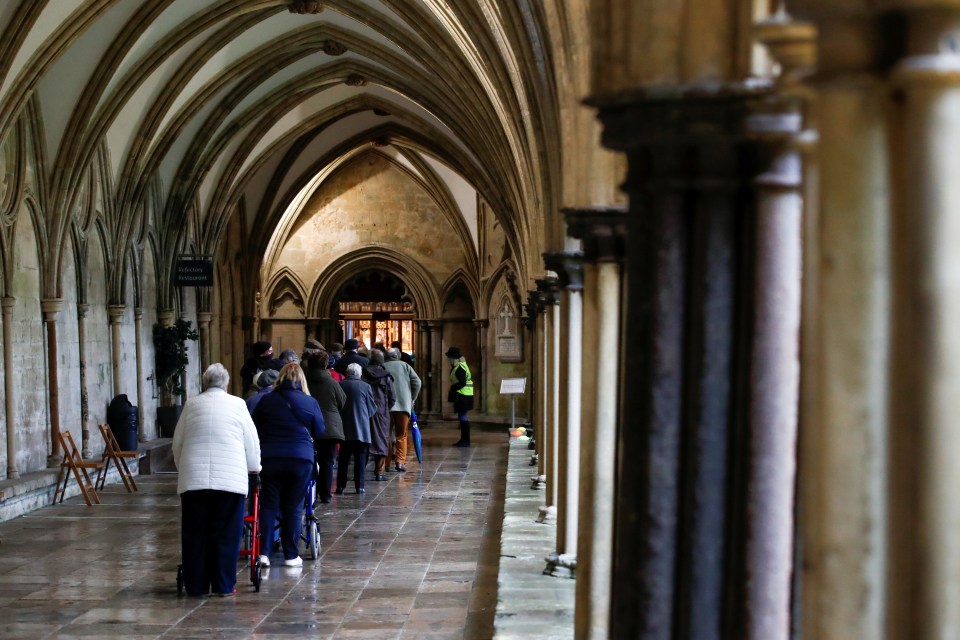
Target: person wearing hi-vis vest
{"x": 461, "y": 392}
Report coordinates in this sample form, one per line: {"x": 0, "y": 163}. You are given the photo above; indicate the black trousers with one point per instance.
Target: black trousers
{"x": 326, "y": 458}
{"x": 210, "y": 531}
{"x": 283, "y": 488}
{"x": 358, "y": 451}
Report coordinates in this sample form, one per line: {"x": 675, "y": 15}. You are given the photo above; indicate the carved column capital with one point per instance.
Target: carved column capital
{"x": 115, "y": 313}
{"x": 165, "y": 317}
{"x": 603, "y": 231}
{"x": 204, "y": 317}
{"x": 138, "y": 313}
{"x": 569, "y": 268}
{"x": 82, "y": 309}
{"x": 7, "y": 303}
{"x": 51, "y": 308}
{"x": 481, "y": 323}
{"x": 550, "y": 288}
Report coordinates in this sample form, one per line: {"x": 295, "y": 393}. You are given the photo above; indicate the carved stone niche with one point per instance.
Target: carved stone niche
{"x": 305, "y": 6}
{"x": 508, "y": 343}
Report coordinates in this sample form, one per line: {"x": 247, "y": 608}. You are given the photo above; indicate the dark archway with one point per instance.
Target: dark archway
{"x": 374, "y": 307}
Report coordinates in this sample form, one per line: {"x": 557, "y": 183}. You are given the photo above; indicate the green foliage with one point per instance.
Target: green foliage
{"x": 170, "y": 344}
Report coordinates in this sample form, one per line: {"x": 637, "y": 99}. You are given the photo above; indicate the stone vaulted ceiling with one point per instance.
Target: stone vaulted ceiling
{"x": 180, "y": 114}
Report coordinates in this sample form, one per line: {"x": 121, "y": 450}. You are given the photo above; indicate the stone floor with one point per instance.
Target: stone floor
{"x": 416, "y": 557}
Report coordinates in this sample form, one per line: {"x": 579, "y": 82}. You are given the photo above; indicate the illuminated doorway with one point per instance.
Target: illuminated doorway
{"x": 375, "y": 307}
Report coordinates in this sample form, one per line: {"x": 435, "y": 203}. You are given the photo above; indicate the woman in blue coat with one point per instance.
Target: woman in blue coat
{"x": 287, "y": 420}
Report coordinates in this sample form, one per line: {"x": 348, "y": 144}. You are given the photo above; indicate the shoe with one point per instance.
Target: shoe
{"x": 339, "y": 492}
{"x": 325, "y": 500}
{"x": 381, "y": 478}
{"x": 264, "y": 561}
{"x": 293, "y": 562}
{"x": 461, "y": 443}
{"x": 401, "y": 468}
{"x": 361, "y": 490}
{"x": 224, "y": 595}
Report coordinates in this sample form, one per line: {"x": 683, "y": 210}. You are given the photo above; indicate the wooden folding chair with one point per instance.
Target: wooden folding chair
{"x": 73, "y": 462}
{"x": 112, "y": 452}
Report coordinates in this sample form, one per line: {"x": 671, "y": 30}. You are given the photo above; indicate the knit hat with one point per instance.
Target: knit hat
{"x": 260, "y": 348}
{"x": 313, "y": 344}
{"x": 267, "y": 378}
{"x": 351, "y": 344}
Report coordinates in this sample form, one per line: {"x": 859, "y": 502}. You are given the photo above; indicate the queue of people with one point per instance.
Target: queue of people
{"x": 320, "y": 410}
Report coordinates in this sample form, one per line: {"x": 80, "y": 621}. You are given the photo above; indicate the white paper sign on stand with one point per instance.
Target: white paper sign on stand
{"x": 513, "y": 387}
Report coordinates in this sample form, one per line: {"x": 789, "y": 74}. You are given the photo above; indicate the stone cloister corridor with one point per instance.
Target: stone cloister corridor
{"x": 709, "y": 244}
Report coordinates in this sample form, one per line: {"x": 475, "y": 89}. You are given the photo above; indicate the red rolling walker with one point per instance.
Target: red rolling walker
{"x": 250, "y": 547}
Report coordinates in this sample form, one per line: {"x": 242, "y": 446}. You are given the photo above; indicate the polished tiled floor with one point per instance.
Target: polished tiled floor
{"x": 416, "y": 557}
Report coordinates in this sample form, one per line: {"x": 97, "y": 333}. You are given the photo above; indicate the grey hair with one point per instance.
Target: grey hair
{"x": 217, "y": 376}
{"x": 393, "y": 353}
{"x": 354, "y": 370}
{"x": 289, "y": 355}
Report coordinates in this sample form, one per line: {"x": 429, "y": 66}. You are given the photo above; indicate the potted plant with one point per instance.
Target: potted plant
{"x": 170, "y": 346}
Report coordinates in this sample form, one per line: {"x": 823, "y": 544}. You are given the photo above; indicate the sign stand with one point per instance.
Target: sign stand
{"x": 513, "y": 387}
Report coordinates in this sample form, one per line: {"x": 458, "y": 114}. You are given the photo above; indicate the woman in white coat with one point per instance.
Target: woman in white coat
{"x": 215, "y": 447}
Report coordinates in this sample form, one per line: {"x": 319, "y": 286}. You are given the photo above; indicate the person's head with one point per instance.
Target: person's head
{"x": 289, "y": 355}
{"x": 351, "y": 344}
{"x": 262, "y": 349}
{"x": 379, "y": 346}
{"x": 354, "y": 370}
{"x": 453, "y": 355}
{"x": 217, "y": 376}
{"x": 294, "y": 374}
{"x": 396, "y": 345}
{"x": 336, "y": 349}
{"x": 312, "y": 345}
{"x": 266, "y": 378}
{"x": 363, "y": 350}
{"x": 376, "y": 357}
{"x": 392, "y": 354}
{"x": 317, "y": 358}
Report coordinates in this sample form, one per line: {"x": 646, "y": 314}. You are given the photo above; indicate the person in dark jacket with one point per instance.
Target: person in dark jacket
{"x": 461, "y": 393}
{"x": 261, "y": 360}
{"x": 288, "y": 421}
{"x": 356, "y": 415}
{"x": 332, "y": 400}
{"x": 351, "y": 356}
{"x": 381, "y": 382}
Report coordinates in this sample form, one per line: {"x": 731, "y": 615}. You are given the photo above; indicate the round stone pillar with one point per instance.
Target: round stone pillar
{"x": 51, "y": 309}
{"x": 84, "y": 397}
{"x": 115, "y": 312}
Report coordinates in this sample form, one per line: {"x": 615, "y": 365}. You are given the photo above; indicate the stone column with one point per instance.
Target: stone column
{"x": 569, "y": 267}
{"x": 138, "y": 332}
{"x": 436, "y": 369}
{"x": 203, "y": 324}
{"x": 51, "y": 308}
{"x": 683, "y": 497}
{"x": 603, "y": 232}
{"x": 480, "y": 382}
{"x": 535, "y": 306}
{"x": 551, "y": 382}
{"x": 924, "y": 574}
{"x": 82, "y": 309}
{"x": 775, "y": 376}
{"x": 116, "y": 311}
{"x": 6, "y": 305}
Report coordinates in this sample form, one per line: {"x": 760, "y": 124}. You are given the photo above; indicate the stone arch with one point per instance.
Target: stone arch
{"x": 285, "y": 285}
{"x": 420, "y": 285}
{"x": 461, "y": 278}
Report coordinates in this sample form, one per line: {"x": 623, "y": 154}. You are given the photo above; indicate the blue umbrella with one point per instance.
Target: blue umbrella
{"x": 417, "y": 442}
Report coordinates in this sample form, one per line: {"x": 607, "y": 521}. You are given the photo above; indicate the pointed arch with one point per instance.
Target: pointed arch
{"x": 420, "y": 284}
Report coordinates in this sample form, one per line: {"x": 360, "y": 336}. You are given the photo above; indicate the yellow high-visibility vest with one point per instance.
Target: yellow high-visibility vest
{"x": 467, "y": 390}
